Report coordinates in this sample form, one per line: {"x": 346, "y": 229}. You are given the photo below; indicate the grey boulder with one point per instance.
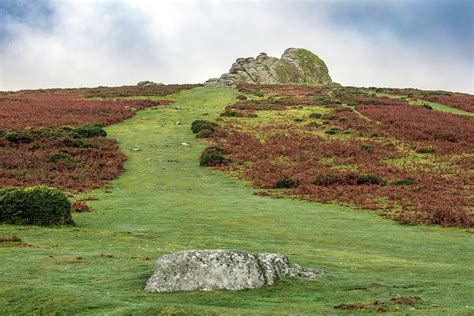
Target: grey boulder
{"x": 208, "y": 270}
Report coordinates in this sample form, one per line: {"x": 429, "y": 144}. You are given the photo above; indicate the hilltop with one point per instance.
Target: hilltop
{"x": 296, "y": 65}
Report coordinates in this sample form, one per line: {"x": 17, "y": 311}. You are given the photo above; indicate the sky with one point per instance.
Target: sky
{"x": 425, "y": 44}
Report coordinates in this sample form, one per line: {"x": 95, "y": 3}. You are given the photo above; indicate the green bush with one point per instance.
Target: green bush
{"x": 363, "y": 179}
{"x": 205, "y": 133}
{"x": 18, "y": 137}
{"x": 425, "y": 150}
{"x": 91, "y": 130}
{"x": 332, "y": 131}
{"x": 315, "y": 115}
{"x": 329, "y": 179}
{"x": 38, "y": 205}
{"x": 200, "y": 125}
{"x": 367, "y": 147}
{"x": 213, "y": 156}
{"x": 404, "y": 181}
{"x": 286, "y": 183}
{"x": 61, "y": 155}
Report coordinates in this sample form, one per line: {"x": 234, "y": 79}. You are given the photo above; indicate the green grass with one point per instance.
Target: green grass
{"x": 165, "y": 202}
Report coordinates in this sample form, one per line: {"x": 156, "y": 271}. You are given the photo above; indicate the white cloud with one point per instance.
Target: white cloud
{"x": 117, "y": 43}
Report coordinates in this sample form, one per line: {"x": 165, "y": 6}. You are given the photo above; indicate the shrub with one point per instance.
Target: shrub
{"x": 61, "y": 155}
{"x": 17, "y": 137}
{"x": 231, "y": 114}
{"x": 315, "y": 115}
{"x": 213, "y": 156}
{"x": 205, "y": 133}
{"x": 367, "y": 147}
{"x": 332, "y": 131}
{"x": 241, "y": 97}
{"x": 366, "y": 179}
{"x": 38, "y": 205}
{"x": 404, "y": 181}
{"x": 91, "y": 130}
{"x": 285, "y": 183}
{"x": 329, "y": 179}
{"x": 200, "y": 125}
{"x": 425, "y": 150}
{"x": 298, "y": 119}
{"x": 427, "y": 106}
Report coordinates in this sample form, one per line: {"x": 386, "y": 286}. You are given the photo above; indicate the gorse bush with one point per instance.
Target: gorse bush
{"x": 333, "y": 131}
{"x": 425, "y": 150}
{"x": 329, "y": 179}
{"x": 18, "y": 137}
{"x": 38, "y": 205}
{"x": 91, "y": 130}
{"x": 200, "y": 125}
{"x": 62, "y": 155}
{"x": 367, "y": 147}
{"x": 205, "y": 133}
{"x": 213, "y": 156}
{"x": 286, "y": 183}
{"x": 315, "y": 115}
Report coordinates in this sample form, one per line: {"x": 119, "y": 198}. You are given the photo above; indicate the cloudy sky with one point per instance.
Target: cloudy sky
{"x": 424, "y": 44}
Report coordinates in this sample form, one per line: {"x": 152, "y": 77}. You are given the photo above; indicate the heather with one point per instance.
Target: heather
{"x": 56, "y": 137}
{"x": 319, "y": 143}
{"x": 164, "y": 201}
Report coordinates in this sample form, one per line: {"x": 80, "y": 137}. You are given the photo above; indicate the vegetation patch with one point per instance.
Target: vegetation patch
{"x": 213, "y": 156}
{"x": 35, "y": 206}
{"x": 367, "y": 136}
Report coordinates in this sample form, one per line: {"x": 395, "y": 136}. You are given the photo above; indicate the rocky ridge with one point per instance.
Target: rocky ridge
{"x": 296, "y": 65}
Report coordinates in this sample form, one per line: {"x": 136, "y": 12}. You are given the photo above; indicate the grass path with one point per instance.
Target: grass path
{"x": 165, "y": 202}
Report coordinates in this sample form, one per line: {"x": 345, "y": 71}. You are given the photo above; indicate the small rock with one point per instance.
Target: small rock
{"x": 136, "y": 149}
{"x": 185, "y": 144}
{"x": 178, "y": 123}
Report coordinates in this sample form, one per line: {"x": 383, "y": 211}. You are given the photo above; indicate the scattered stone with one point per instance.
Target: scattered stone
{"x": 296, "y": 65}
{"x": 185, "y": 144}
{"x": 178, "y": 123}
{"x": 136, "y": 149}
{"x": 208, "y": 270}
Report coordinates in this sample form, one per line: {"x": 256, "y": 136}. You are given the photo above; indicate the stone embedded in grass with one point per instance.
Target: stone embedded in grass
{"x": 207, "y": 270}
{"x": 136, "y": 149}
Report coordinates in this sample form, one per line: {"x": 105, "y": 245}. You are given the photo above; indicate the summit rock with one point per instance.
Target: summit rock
{"x": 296, "y": 65}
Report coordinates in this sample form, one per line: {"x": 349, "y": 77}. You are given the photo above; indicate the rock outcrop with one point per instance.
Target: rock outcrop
{"x": 208, "y": 270}
{"x": 148, "y": 83}
{"x": 296, "y": 65}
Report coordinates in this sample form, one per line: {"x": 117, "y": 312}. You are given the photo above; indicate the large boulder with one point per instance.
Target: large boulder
{"x": 296, "y": 65}
{"x": 208, "y": 270}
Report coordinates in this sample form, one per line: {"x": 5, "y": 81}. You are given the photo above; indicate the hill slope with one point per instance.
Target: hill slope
{"x": 165, "y": 202}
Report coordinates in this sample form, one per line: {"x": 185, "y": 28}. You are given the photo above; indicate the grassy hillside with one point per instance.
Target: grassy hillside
{"x": 165, "y": 202}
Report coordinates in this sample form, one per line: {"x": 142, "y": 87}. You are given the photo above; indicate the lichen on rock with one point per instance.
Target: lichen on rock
{"x": 208, "y": 270}
{"x": 296, "y": 65}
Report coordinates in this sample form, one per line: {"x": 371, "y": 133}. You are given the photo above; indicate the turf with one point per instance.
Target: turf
{"x": 165, "y": 202}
